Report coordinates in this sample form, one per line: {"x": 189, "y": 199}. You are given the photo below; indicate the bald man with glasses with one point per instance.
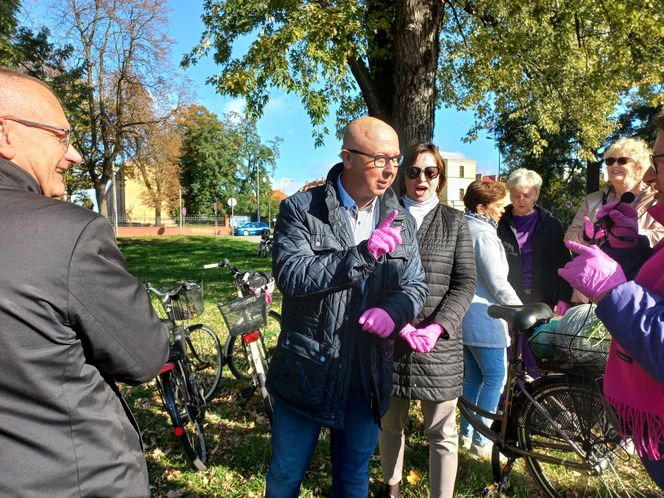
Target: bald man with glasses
{"x": 347, "y": 263}
{"x": 73, "y": 321}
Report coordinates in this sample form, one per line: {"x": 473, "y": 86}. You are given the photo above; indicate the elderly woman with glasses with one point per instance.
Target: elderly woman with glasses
{"x": 627, "y": 161}
{"x": 428, "y": 362}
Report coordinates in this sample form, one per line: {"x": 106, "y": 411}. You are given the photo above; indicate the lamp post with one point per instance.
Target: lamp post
{"x": 115, "y": 199}
{"x": 258, "y": 194}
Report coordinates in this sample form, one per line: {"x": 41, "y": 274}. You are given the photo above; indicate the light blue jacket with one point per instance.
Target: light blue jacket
{"x": 479, "y": 329}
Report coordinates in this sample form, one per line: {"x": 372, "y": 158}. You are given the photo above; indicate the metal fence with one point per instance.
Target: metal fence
{"x": 150, "y": 221}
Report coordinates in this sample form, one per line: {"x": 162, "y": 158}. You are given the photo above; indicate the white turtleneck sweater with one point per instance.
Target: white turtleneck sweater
{"x": 420, "y": 209}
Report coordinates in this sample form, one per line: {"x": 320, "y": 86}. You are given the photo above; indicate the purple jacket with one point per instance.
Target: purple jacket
{"x": 635, "y": 317}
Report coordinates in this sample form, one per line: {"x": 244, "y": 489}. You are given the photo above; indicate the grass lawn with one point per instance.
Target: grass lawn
{"x": 237, "y": 432}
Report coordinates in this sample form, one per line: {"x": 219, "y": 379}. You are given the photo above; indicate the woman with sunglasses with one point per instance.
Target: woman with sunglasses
{"x": 428, "y": 362}
{"x": 627, "y": 161}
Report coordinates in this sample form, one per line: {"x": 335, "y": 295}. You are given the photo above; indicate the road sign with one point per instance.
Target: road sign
{"x": 232, "y": 202}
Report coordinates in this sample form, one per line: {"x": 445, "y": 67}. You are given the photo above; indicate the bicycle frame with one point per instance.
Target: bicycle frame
{"x": 515, "y": 380}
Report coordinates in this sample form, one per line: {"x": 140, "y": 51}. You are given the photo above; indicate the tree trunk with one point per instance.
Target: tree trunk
{"x": 416, "y": 49}
{"x": 100, "y": 191}
{"x": 592, "y": 176}
{"x": 157, "y": 215}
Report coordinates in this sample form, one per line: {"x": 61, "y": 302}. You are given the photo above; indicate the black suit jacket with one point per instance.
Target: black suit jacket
{"x": 72, "y": 321}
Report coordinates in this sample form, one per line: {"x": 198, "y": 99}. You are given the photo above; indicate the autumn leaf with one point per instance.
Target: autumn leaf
{"x": 414, "y": 477}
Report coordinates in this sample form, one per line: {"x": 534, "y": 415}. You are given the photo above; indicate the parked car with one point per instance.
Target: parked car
{"x": 253, "y": 228}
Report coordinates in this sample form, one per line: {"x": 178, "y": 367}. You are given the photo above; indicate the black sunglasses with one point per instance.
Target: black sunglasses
{"x": 414, "y": 172}
{"x": 621, "y": 160}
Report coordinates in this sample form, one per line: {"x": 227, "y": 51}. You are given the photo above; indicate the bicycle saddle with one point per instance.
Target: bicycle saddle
{"x": 521, "y": 317}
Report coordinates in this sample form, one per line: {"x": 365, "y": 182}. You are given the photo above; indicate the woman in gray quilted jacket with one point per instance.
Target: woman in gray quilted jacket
{"x": 429, "y": 353}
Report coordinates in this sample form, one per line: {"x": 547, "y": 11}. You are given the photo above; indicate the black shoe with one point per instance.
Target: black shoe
{"x": 391, "y": 491}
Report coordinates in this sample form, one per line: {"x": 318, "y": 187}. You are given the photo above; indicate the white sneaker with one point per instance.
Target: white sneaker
{"x": 483, "y": 452}
{"x": 466, "y": 442}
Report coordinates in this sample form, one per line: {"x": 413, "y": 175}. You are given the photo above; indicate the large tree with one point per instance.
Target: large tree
{"x": 400, "y": 59}
{"x": 125, "y": 55}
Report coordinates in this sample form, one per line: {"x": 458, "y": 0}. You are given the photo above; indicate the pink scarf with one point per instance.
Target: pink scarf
{"x": 636, "y": 396}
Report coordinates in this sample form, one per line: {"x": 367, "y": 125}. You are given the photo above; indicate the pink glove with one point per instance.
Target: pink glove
{"x": 592, "y": 272}
{"x": 423, "y": 340}
{"x": 625, "y": 224}
{"x": 377, "y": 321}
{"x": 384, "y": 238}
{"x": 589, "y": 228}
{"x": 562, "y": 307}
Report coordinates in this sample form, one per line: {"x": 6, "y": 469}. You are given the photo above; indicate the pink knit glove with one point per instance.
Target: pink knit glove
{"x": 384, "y": 238}
{"x": 405, "y": 333}
{"x": 592, "y": 272}
{"x": 562, "y": 307}
{"x": 377, "y": 321}
{"x": 625, "y": 224}
{"x": 589, "y": 229}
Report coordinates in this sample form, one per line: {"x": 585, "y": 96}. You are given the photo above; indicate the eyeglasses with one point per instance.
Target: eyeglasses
{"x": 380, "y": 160}
{"x": 621, "y": 160}
{"x": 414, "y": 172}
{"x": 654, "y": 160}
{"x": 64, "y": 140}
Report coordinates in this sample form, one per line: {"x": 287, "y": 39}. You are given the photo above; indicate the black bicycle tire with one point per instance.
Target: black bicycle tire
{"x": 208, "y": 379}
{"x": 236, "y": 356}
{"x": 564, "y": 391}
{"x": 175, "y": 395}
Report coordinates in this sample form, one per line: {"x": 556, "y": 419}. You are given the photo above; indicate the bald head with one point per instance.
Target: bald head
{"x": 368, "y": 129}
{"x": 17, "y": 95}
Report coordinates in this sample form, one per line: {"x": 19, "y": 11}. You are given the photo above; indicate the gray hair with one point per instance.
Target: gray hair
{"x": 523, "y": 176}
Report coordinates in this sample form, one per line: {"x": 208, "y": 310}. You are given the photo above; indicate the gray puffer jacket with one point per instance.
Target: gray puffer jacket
{"x": 319, "y": 272}
{"x": 448, "y": 259}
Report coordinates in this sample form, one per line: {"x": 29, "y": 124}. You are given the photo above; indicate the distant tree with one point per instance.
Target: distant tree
{"x": 9, "y": 10}
{"x": 154, "y": 152}
{"x": 124, "y": 53}
{"x": 222, "y": 159}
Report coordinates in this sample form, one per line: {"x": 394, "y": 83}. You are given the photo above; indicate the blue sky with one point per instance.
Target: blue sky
{"x": 284, "y": 116}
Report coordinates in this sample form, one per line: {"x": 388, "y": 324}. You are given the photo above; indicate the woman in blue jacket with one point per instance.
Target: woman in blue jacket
{"x": 485, "y": 339}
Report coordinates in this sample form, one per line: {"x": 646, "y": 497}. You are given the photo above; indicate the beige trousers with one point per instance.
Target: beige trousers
{"x": 441, "y": 431}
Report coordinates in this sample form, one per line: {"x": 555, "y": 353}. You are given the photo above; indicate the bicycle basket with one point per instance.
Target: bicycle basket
{"x": 579, "y": 341}
{"x": 188, "y": 302}
{"x": 244, "y": 314}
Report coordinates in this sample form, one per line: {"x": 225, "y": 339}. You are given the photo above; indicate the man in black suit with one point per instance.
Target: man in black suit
{"x": 73, "y": 321}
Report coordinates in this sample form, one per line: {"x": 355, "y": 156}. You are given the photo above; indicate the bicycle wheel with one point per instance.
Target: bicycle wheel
{"x": 576, "y": 405}
{"x": 186, "y": 412}
{"x": 205, "y": 357}
{"x": 236, "y": 354}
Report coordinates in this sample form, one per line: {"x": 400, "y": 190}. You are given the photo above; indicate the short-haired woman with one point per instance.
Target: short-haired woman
{"x": 534, "y": 244}
{"x": 485, "y": 339}
{"x": 425, "y": 368}
{"x": 626, "y": 160}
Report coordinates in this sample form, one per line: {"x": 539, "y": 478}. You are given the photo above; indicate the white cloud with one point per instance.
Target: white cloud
{"x": 235, "y": 105}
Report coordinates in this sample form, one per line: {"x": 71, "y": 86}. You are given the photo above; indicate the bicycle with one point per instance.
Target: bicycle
{"x": 264, "y": 248}
{"x": 203, "y": 346}
{"x": 177, "y": 382}
{"x": 248, "y": 358}
{"x": 559, "y": 424}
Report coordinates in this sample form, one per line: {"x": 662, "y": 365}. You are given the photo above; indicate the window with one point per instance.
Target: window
{"x": 462, "y": 192}
{"x": 461, "y": 172}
